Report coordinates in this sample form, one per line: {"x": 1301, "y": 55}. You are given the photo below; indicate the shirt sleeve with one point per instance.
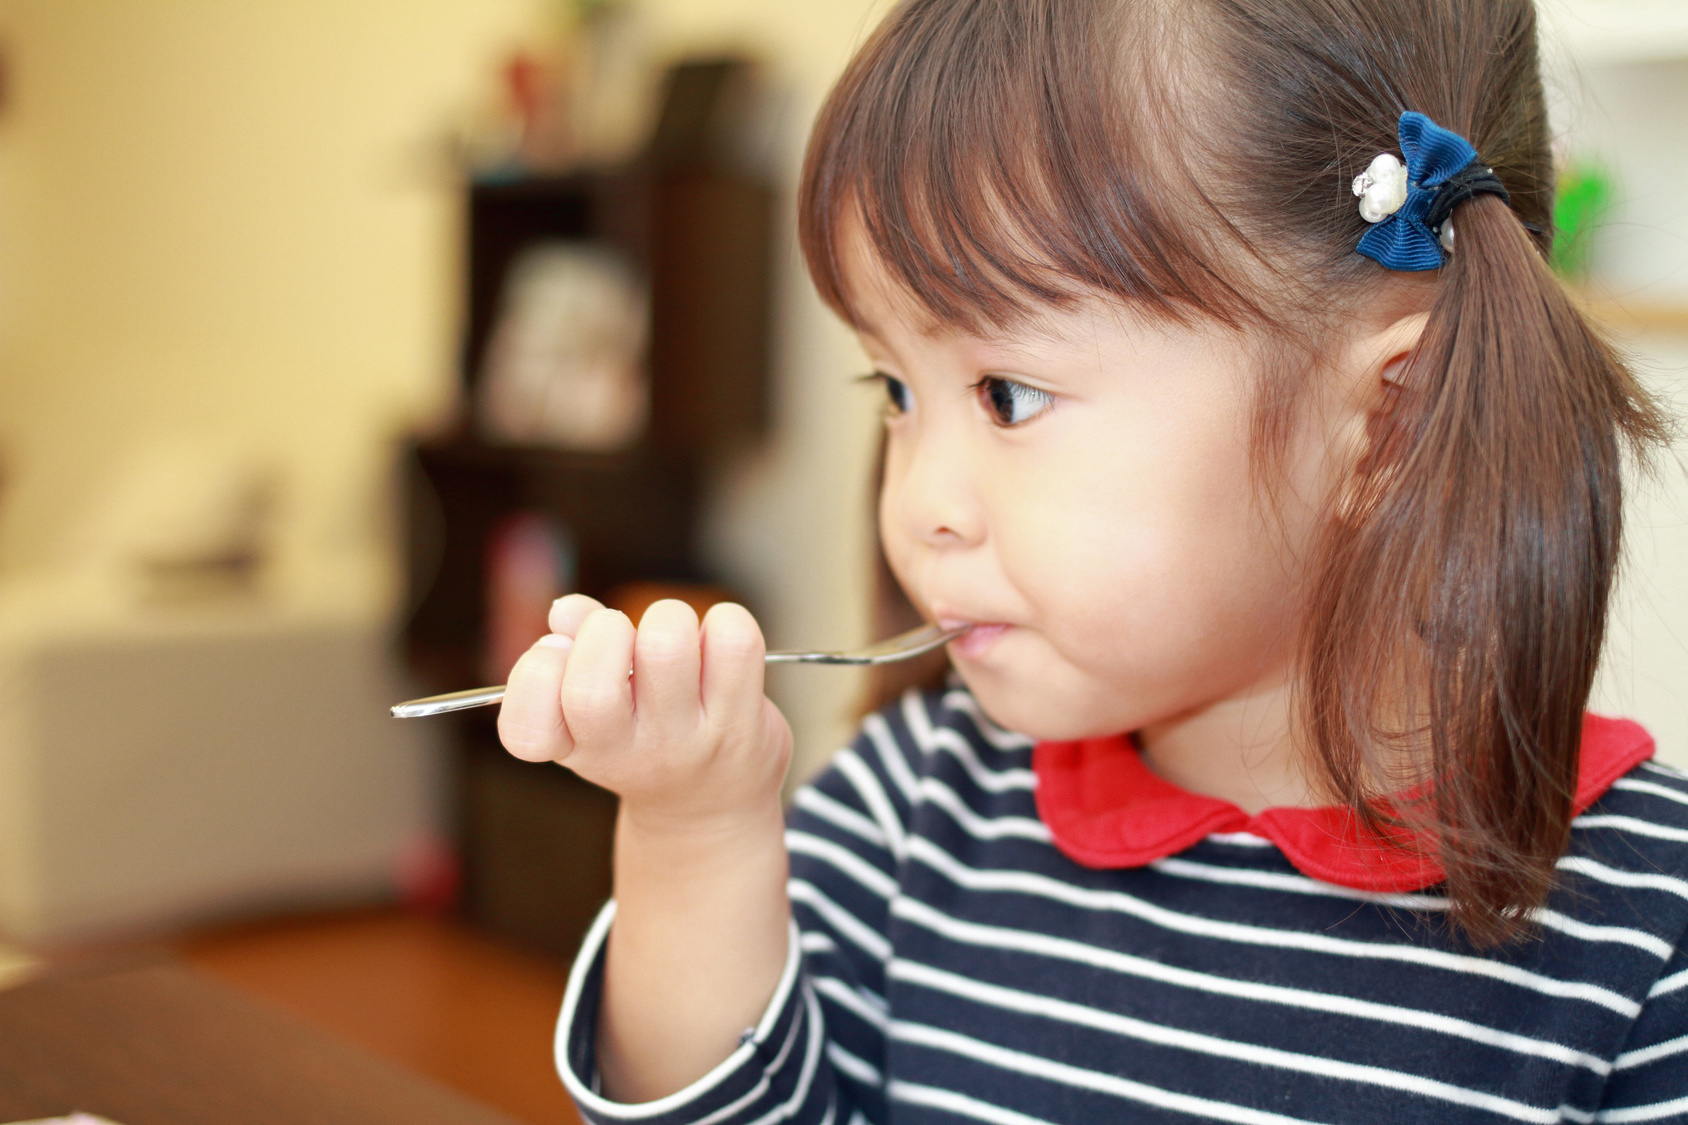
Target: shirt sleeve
{"x": 846, "y": 837}
{"x": 775, "y": 1074}
{"x": 817, "y": 1056}
{"x": 1649, "y": 1080}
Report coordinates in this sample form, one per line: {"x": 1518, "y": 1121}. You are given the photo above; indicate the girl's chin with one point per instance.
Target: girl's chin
{"x": 1027, "y": 719}
{"x": 1010, "y": 705}
{"x": 1013, "y": 701}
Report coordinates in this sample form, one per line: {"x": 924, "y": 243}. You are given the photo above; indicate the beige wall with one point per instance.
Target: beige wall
{"x": 226, "y": 223}
{"x": 227, "y": 226}
{"x": 224, "y": 226}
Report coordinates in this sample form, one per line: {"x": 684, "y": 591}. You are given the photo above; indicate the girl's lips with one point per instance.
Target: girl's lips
{"x": 980, "y": 639}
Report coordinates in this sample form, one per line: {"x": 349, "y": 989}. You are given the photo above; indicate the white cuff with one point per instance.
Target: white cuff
{"x": 747, "y": 1055}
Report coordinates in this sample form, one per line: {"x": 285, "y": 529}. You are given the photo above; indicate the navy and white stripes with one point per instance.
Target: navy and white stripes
{"x": 949, "y": 964}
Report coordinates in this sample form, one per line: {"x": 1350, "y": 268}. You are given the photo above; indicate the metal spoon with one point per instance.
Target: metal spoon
{"x": 904, "y": 646}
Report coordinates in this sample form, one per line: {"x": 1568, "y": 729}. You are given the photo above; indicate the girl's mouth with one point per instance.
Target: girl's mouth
{"x": 978, "y": 640}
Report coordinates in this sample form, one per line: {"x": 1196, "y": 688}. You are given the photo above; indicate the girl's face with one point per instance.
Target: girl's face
{"x": 1082, "y": 492}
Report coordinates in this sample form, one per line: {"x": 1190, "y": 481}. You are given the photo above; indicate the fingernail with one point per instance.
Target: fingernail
{"x": 557, "y": 640}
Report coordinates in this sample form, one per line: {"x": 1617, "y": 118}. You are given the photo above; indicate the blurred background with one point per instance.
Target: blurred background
{"x": 338, "y": 338}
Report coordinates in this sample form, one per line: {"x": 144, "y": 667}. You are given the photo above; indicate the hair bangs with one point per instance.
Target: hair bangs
{"x": 1016, "y": 177}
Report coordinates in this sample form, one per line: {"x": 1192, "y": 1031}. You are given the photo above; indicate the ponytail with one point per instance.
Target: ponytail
{"x": 1460, "y": 605}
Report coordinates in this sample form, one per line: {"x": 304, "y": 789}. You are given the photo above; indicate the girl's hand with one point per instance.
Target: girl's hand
{"x": 696, "y": 753}
{"x": 688, "y": 740}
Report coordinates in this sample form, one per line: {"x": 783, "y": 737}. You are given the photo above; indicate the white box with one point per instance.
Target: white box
{"x": 166, "y": 768}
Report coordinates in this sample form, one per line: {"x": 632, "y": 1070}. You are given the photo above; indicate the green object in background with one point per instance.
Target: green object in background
{"x": 1585, "y": 192}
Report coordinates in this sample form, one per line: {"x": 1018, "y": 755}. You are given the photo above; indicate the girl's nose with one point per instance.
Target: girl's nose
{"x": 930, "y": 494}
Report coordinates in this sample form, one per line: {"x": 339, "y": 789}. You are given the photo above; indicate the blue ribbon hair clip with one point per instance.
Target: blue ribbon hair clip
{"x": 1409, "y": 205}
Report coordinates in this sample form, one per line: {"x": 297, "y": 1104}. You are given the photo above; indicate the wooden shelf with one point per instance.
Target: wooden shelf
{"x": 534, "y": 840}
{"x": 1638, "y": 317}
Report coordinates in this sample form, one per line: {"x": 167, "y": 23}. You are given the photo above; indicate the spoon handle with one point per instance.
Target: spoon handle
{"x": 455, "y": 701}
{"x": 910, "y": 644}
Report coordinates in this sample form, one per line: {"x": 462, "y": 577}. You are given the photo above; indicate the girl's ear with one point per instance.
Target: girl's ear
{"x": 1393, "y": 347}
{"x": 1372, "y": 371}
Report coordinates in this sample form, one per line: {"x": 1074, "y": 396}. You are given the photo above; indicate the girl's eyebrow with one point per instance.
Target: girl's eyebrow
{"x": 1028, "y": 346}
{"x": 868, "y": 331}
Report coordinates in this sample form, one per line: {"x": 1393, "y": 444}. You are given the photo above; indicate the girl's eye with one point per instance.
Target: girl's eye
{"x": 1012, "y": 403}
{"x": 895, "y": 390}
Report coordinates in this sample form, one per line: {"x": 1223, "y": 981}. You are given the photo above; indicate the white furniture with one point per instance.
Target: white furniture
{"x": 165, "y": 766}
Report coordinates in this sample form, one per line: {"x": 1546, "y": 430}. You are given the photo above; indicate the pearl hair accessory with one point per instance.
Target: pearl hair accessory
{"x": 1382, "y": 188}
{"x": 1409, "y": 203}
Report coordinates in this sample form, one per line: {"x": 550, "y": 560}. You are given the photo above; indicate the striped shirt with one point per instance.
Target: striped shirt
{"x": 949, "y": 963}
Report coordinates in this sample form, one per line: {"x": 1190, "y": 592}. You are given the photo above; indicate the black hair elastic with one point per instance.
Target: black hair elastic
{"x": 1408, "y": 203}
{"x": 1469, "y": 182}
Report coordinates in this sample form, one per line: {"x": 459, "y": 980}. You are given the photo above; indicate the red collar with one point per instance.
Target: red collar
{"x": 1106, "y": 809}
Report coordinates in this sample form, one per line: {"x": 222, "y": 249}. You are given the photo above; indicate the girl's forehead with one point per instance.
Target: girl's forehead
{"x": 886, "y": 328}
{"x": 883, "y": 309}
{"x": 888, "y": 322}
{"x": 880, "y": 305}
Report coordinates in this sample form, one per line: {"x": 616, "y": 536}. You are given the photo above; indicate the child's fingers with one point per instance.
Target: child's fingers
{"x": 530, "y": 720}
{"x": 666, "y": 668}
{"x": 732, "y": 666}
{"x": 569, "y": 611}
{"x": 597, "y": 696}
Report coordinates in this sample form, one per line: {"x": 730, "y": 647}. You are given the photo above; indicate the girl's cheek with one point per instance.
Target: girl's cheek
{"x": 899, "y": 551}
{"x": 892, "y": 525}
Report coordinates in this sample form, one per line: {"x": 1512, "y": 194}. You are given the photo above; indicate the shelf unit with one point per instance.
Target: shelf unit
{"x": 534, "y": 839}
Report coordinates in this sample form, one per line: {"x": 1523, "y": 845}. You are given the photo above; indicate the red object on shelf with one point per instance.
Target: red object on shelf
{"x": 529, "y": 565}
{"x": 524, "y": 80}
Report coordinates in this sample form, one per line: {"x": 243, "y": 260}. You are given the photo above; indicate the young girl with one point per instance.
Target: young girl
{"x": 1284, "y": 521}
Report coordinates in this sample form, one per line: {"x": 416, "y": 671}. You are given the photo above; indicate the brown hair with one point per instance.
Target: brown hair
{"x": 1194, "y": 159}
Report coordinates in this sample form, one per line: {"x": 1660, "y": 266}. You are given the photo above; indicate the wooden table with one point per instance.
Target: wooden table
{"x": 157, "y": 1043}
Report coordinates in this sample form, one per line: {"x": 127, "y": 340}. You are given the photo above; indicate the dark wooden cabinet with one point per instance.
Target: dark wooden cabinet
{"x": 535, "y": 840}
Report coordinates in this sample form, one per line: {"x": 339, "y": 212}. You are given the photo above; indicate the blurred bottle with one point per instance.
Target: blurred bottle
{"x": 538, "y": 86}
{"x": 582, "y": 94}
{"x": 616, "y": 81}
{"x": 530, "y": 564}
